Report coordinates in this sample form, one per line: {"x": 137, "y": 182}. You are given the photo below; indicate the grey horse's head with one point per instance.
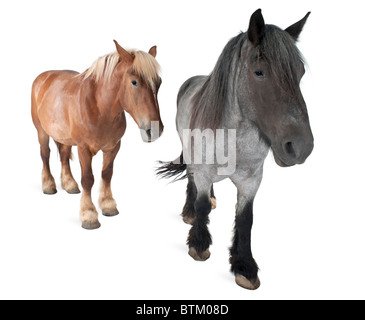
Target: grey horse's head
{"x": 274, "y": 68}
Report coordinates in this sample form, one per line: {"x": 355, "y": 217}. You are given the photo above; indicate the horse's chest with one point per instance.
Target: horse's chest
{"x": 251, "y": 151}
{"x": 102, "y": 135}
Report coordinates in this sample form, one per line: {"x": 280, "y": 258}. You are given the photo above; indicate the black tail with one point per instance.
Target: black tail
{"x": 172, "y": 169}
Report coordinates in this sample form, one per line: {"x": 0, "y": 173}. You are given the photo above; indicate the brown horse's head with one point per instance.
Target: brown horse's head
{"x": 139, "y": 82}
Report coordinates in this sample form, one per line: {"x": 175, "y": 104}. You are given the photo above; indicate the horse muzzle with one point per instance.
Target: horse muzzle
{"x": 293, "y": 151}
{"x": 152, "y": 132}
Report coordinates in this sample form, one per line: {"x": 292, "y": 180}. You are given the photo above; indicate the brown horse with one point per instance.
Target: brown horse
{"x": 87, "y": 110}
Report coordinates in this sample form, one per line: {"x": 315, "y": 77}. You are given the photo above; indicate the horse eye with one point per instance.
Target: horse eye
{"x": 134, "y": 82}
{"x": 259, "y": 73}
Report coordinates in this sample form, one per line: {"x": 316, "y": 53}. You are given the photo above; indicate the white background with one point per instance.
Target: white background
{"x": 309, "y": 228}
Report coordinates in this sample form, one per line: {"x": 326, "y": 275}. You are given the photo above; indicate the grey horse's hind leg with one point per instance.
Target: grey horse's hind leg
{"x": 213, "y": 199}
{"x": 199, "y": 238}
{"x": 189, "y": 213}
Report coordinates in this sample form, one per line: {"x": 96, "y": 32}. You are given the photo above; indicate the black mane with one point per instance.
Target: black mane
{"x": 210, "y": 100}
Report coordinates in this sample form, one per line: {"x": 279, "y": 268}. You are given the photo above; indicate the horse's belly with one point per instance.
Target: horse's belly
{"x": 54, "y": 122}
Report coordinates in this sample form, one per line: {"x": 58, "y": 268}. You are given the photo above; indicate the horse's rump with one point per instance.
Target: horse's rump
{"x": 52, "y": 93}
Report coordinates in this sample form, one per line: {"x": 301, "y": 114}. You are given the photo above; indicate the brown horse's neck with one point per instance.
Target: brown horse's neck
{"x": 102, "y": 97}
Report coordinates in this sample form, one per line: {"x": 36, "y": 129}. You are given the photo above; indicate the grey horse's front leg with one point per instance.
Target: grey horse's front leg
{"x": 199, "y": 238}
{"x": 243, "y": 264}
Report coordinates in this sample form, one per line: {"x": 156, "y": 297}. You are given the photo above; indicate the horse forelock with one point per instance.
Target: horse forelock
{"x": 280, "y": 52}
{"x": 146, "y": 67}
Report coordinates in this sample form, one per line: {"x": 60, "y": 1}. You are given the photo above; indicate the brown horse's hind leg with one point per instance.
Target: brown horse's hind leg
{"x": 88, "y": 213}
{"x": 67, "y": 180}
{"x": 106, "y": 200}
{"x": 48, "y": 182}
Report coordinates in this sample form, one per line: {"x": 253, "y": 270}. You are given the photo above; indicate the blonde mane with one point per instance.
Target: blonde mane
{"x": 144, "y": 65}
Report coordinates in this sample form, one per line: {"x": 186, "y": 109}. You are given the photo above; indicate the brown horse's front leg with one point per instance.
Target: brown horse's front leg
{"x": 88, "y": 213}
{"x": 106, "y": 200}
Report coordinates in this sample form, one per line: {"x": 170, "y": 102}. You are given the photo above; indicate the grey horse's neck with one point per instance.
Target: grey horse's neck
{"x": 232, "y": 116}
{"x": 234, "y": 111}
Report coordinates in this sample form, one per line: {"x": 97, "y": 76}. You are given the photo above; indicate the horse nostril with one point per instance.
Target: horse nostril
{"x": 149, "y": 134}
{"x": 289, "y": 149}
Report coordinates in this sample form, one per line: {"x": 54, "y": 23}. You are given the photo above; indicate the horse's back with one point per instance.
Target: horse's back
{"x": 45, "y": 79}
{"x": 50, "y": 82}
{"x": 189, "y": 87}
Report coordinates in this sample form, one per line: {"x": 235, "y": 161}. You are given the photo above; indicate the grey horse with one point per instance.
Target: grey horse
{"x": 227, "y": 123}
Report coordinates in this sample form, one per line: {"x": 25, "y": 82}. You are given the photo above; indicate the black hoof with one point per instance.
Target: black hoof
{"x": 188, "y": 220}
{"x": 199, "y": 256}
{"x": 246, "y": 283}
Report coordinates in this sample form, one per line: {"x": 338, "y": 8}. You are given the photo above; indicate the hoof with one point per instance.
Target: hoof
{"x": 247, "y": 284}
{"x": 91, "y": 225}
{"x": 202, "y": 256}
{"x": 73, "y": 191}
{"x": 214, "y": 203}
{"x": 189, "y": 220}
{"x": 110, "y": 212}
{"x": 50, "y": 191}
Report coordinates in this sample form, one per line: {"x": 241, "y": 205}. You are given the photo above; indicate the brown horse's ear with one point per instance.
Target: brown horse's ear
{"x": 295, "y": 29}
{"x": 123, "y": 54}
{"x": 153, "y": 51}
{"x": 256, "y": 29}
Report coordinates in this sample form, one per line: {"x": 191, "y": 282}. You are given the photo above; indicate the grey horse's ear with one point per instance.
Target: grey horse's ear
{"x": 295, "y": 29}
{"x": 256, "y": 29}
